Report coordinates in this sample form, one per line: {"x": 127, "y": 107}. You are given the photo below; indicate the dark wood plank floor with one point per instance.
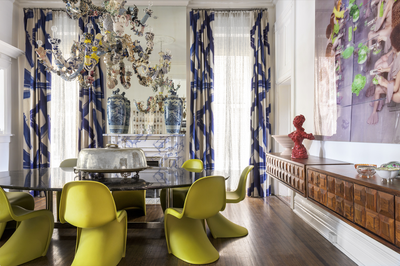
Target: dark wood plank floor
{"x": 277, "y": 236}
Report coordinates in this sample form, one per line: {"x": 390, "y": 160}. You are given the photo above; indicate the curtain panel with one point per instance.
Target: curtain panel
{"x": 260, "y": 184}
{"x": 64, "y": 96}
{"x": 201, "y": 144}
{"x": 92, "y": 115}
{"x": 232, "y": 95}
{"x": 37, "y": 91}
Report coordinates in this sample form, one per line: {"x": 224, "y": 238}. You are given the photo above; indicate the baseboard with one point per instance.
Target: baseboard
{"x": 359, "y": 247}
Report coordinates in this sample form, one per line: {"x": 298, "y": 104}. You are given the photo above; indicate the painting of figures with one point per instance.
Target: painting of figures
{"x": 357, "y": 70}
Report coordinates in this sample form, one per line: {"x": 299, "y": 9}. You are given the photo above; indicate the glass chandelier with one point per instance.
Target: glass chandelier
{"x": 111, "y": 43}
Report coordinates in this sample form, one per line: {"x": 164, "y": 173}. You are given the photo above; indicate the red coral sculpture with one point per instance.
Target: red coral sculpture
{"x": 299, "y": 151}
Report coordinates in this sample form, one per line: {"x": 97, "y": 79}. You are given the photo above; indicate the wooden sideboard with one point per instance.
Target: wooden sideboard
{"x": 292, "y": 172}
{"x": 370, "y": 205}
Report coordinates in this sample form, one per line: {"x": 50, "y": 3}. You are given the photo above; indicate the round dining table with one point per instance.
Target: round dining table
{"x": 53, "y": 179}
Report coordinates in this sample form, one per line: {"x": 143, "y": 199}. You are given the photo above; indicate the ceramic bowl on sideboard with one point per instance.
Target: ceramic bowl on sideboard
{"x": 387, "y": 172}
{"x": 365, "y": 170}
{"x": 285, "y": 142}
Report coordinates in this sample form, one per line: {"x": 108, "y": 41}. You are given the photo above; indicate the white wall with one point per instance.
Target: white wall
{"x": 6, "y": 16}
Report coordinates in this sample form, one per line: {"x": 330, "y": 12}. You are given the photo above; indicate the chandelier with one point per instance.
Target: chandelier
{"x": 111, "y": 43}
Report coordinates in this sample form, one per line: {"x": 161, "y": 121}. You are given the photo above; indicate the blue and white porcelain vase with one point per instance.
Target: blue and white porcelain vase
{"x": 116, "y": 112}
{"x": 173, "y": 110}
{"x": 127, "y": 113}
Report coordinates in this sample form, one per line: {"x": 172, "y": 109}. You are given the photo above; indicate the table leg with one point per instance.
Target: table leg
{"x": 49, "y": 200}
{"x": 169, "y": 198}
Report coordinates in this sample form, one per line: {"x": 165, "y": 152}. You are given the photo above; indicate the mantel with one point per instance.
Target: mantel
{"x": 10, "y": 50}
{"x": 164, "y": 150}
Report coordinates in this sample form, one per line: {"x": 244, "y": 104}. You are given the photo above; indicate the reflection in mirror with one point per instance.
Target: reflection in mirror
{"x": 169, "y": 28}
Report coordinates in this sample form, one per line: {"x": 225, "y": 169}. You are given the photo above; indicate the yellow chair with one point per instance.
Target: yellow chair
{"x": 134, "y": 199}
{"x": 69, "y": 162}
{"x": 221, "y": 227}
{"x": 101, "y": 230}
{"x": 124, "y": 200}
{"x": 32, "y": 237}
{"x": 184, "y": 230}
{"x": 179, "y": 194}
{"x": 22, "y": 199}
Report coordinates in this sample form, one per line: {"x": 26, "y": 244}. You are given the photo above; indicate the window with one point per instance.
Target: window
{"x": 232, "y": 93}
{"x": 64, "y": 97}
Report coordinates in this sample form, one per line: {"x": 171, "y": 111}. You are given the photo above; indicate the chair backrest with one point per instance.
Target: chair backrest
{"x": 87, "y": 204}
{"x": 193, "y": 165}
{"x": 205, "y": 198}
{"x": 6, "y": 213}
{"x": 69, "y": 162}
{"x": 241, "y": 189}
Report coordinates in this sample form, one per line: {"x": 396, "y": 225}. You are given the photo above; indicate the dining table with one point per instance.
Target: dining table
{"x": 50, "y": 180}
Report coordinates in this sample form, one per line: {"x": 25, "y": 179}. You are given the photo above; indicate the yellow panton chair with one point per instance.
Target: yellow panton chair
{"x": 22, "y": 199}
{"x": 32, "y": 237}
{"x": 134, "y": 199}
{"x": 101, "y": 230}
{"x": 179, "y": 194}
{"x": 221, "y": 227}
{"x": 184, "y": 231}
{"x": 69, "y": 162}
{"x": 124, "y": 200}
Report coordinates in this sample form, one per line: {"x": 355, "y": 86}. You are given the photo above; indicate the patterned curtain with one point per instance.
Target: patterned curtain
{"x": 201, "y": 129}
{"x": 260, "y": 185}
{"x": 37, "y": 93}
{"x": 92, "y": 116}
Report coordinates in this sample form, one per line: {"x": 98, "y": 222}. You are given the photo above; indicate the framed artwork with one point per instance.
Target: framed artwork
{"x": 357, "y": 70}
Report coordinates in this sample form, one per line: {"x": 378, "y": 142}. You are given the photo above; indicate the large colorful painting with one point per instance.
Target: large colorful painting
{"x": 357, "y": 96}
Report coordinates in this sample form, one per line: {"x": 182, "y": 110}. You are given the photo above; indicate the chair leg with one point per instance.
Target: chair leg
{"x": 108, "y": 240}
{"x": 30, "y": 240}
{"x": 2, "y": 228}
{"x": 221, "y": 227}
{"x": 187, "y": 240}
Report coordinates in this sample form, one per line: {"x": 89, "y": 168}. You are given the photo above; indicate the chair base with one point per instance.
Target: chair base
{"x": 221, "y": 227}
{"x": 30, "y": 240}
{"x": 187, "y": 240}
{"x": 108, "y": 240}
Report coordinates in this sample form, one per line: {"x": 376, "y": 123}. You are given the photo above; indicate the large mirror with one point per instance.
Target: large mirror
{"x": 169, "y": 27}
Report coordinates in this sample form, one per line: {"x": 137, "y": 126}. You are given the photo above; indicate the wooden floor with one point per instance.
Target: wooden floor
{"x": 277, "y": 236}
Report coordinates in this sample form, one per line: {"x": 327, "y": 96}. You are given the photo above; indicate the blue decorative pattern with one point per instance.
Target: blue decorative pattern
{"x": 168, "y": 149}
{"x": 36, "y": 95}
{"x": 202, "y": 87}
{"x": 260, "y": 185}
{"x": 92, "y": 114}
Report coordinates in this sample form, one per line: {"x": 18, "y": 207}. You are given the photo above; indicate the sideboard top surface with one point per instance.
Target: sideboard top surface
{"x": 312, "y": 160}
{"x": 349, "y": 173}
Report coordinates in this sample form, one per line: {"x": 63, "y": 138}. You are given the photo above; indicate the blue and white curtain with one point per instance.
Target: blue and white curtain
{"x": 260, "y": 185}
{"x": 92, "y": 115}
{"x": 37, "y": 91}
{"x": 201, "y": 129}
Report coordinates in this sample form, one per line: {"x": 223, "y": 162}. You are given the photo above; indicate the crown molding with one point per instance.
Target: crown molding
{"x": 61, "y": 4}
{"x": 232, "y": 4}
{"x": 10, "y": 50}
